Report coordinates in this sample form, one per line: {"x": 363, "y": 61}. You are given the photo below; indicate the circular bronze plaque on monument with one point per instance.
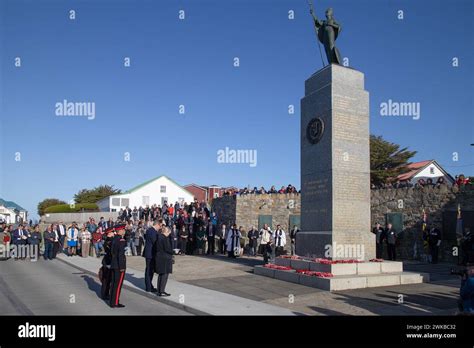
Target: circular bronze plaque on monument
{"x": 315, "y": 130}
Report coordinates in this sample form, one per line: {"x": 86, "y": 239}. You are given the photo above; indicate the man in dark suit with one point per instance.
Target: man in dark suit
{"x": 19, "y": 238}
{"x": 211, "y": 235}
{"x": 149, "y": 252}
{"x": 379, "y": 238}
{"x": 391, "y": 238}
{"x": 434, "y": 241}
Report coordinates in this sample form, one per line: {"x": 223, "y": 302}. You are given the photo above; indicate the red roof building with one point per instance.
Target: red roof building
{"x": 425, "y": 170}
{"x": 204, "y": 193}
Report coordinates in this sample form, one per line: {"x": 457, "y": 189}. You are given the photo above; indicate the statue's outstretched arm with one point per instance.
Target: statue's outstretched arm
{"x": 317, "y": 22}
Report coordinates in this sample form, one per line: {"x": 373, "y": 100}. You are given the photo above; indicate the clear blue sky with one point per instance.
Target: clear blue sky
{"x": 190, "y": 62}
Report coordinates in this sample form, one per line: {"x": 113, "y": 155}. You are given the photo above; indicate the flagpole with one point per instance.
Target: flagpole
{"x": 311, "y": 8}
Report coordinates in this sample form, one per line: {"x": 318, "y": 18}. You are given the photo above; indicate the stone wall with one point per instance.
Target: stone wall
{"x": 80, "y": 218}
{"x": 410, "y": 202}
{"x": 245, "y": 210}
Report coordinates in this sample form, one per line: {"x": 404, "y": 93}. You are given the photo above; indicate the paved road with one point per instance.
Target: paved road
{"x": 55, "y": 288}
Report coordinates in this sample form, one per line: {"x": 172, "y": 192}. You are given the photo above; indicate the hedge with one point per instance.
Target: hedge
{"x": 68, "y": 208}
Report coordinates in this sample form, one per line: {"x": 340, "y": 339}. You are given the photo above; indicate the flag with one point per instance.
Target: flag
{"x": 459, "y": 224}
{"x": 423, "y": 224}
{"x": 424, "y": 233}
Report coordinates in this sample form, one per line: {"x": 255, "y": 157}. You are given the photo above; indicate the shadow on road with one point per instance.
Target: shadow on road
{"x": 93, "y": 285}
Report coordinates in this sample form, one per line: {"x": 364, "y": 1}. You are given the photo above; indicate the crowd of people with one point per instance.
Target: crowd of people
{"x": 194, "y": 230}
{"x": 259, "y": 191}
{"x": 459, "y": 180}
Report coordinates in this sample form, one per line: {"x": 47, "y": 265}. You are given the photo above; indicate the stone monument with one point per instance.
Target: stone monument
{"x": 335, "y": 166}
{"x": 335, "y": 184}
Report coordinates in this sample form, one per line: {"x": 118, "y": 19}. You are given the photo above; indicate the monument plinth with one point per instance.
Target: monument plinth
{"x": 335, "y": 167}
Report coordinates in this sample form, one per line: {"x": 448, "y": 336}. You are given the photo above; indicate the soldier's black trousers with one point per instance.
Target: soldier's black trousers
{"x": 106, "y": 280}
{"x": 117, "y": 282}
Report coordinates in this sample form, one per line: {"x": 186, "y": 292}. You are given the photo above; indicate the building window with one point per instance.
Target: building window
{"x": 431, "y": 170}
{"x": 163, "y": 189}
{"x": 164, "y": 200}
{"x": 125, "y": 202}
{"x": 145, "y": 200}
{"x": 116, "y": 201}
{"x": 216, "y": 194}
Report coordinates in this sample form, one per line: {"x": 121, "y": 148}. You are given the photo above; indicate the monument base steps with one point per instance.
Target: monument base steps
{"x": 346, "y": 276}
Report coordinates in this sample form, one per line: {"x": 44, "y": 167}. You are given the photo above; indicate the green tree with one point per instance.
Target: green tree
{"x": 95, "y": 194}
{"x": 387, "y": 160}
{"x": 48, "y": 202}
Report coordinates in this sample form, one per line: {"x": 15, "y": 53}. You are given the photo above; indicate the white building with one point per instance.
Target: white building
{"x": 11, "y": 213}
{"x": 154, "y": 191}
{"x": 425, "y": 170}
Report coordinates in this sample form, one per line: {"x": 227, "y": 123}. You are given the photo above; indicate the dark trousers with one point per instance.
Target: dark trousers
{"x": 434, "y": 253}
{"x": 55, "y": 249}
{"x": 231, "y": 254}
{"x": 278, "y": 251}
{"x": 222, "y": 245}
{"x": 378, "y": 250}
{"x": 253, "y": 247}
{"x": 139, "y": 246}
{"x": 267, "y": 252}
{"x": 106, "y": 280}
{"x": 210, "y": 245}
{"x": 48, "y": 251}
{"x": 391, "y": 252}
{"x": 117, "y": 282}
{"x": 182, "y": 245}
{"x": 20, "y": 250}
{"x": 61, "y": 241}
{"x": 149, "y": 272}
{"x": 162, "y": 280}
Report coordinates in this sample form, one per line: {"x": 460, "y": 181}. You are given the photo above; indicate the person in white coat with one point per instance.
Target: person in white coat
{"x": 266, "y": 240}
{"x": 233, "y": 241}
{"x": 279, "y": 238}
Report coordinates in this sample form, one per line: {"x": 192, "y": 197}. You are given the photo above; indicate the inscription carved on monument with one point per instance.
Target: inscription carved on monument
{"x": 335, "y": 182}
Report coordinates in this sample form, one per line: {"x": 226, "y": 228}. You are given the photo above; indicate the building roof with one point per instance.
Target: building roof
{"x": 416, "y": 167}
{"x": 146, "y": 183}
{"x": 11, "y": 205}
{"x": 204, "y": 188}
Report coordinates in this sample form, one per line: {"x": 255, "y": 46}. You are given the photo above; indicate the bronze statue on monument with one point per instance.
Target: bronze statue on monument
{"x": 328, "y": 30}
